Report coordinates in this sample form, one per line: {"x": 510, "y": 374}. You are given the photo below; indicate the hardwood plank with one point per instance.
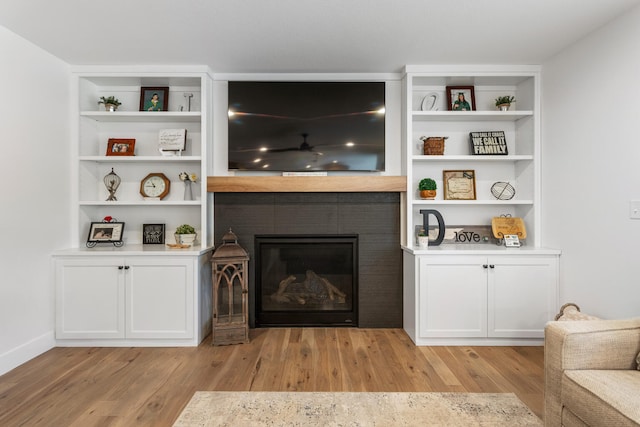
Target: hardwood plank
{"x": 295, "y": 184}
{"x": 151, "y": 386}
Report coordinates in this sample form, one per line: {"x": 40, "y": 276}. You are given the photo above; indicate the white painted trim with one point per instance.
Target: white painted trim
{"x": 25, "y": 352}
{"x": 321, "y": 77}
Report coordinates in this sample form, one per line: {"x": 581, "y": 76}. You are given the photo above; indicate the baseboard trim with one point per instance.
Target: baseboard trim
{"x": 25, "y": 352}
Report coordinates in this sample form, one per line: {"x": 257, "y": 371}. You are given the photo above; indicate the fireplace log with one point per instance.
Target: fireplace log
{"x": 313, "y": 287}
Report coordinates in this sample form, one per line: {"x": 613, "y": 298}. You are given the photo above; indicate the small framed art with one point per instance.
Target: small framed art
{"x": 461, "y": 98}
{"x": 121, "y": 147}
{"x": 154, "y": 98}
{"x": 153, "y": 234}
{"x": 105, "y": 232}
{"x": 459, "y": 184}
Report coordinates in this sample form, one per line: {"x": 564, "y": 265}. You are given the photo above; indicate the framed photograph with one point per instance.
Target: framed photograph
{"x": 120, "y": 147}
{"x": 154, "y": 98}
{"x": 105, "y": 232}
{"x": 461, "y": 98}
{"x": 459, "y": 184}
{"x": 153, "y": 234}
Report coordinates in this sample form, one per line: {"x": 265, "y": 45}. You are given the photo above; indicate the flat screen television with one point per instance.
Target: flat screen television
{"x": 306, "y": 126}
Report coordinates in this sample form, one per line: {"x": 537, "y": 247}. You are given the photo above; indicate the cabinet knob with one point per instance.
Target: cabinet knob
{"x": 120, "y": 267}
{"x": 490, "y": 266}
{"x": 126, "y": 267}
{"x": 484, "y": 265}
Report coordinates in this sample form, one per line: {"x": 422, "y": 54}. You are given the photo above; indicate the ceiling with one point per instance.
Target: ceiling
{"x": 264, "y": 36}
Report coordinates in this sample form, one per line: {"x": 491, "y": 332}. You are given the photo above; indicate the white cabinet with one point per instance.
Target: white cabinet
{"x": 89, "y": 298}
{"x": 132, "y": 300}
{"x": 479, "y": 299}
{"x": 453, "y": 297}
{"x": 92, "y": 127}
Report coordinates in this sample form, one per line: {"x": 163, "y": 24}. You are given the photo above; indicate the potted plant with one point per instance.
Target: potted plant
{"x": 504, "y": 102}
{"x": 185, "y": 234}
{"x": 427, "y": 187}
{"x": 111, "y": 103}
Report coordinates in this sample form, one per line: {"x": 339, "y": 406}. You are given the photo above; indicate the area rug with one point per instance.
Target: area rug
{"x": 213, "y": 408}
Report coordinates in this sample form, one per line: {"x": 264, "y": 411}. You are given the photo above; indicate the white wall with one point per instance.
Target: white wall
{"x": 591, "y": 167}
{"x": 34, "y": 171}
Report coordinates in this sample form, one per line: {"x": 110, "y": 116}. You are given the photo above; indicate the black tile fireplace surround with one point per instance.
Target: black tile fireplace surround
{"x": 373, "y": 216}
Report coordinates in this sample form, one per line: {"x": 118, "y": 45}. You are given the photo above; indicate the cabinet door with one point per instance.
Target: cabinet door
{"x": 89, "y": 298}
{"x": 522, "y": 295}
{"x": 453, "y": 296}
{"x": 159, "y": 298}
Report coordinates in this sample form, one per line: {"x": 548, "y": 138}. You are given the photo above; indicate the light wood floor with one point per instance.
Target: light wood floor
{"x": 151, "y": 386}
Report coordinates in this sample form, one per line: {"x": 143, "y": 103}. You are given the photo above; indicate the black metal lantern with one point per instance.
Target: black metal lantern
{"x": 230, "y": 291}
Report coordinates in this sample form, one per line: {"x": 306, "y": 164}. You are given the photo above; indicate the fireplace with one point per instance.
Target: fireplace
{"x": 306, "y": 280}
{"x": 373, "y": 217}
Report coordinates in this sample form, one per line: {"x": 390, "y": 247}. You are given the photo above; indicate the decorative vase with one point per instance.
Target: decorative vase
{"x": 428, "y": 194}
{"x": 185, "y": 239}
{"x": 188, "y": 192}
{"x": 110, "y": 107}
{"x": 504, "y": 107}
{"x": 423, "y": 242}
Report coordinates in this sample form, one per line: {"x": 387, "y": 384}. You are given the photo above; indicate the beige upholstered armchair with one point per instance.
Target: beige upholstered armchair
{"x": 591, "y": 375}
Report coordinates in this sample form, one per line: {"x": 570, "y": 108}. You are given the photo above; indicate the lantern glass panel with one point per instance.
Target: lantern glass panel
{"x": 230, "y": 311}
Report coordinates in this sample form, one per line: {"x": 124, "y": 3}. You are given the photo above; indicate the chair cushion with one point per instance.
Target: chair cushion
{"x": 603, "y": 397}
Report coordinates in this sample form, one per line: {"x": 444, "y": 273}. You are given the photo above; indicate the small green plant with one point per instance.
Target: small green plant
{"x": 185, "y": 229}
{"x": 427, "y": 184}
{"x": 506, "y": 99}
{"x": 110, "y": 100}
{"x": 422, "y": 232}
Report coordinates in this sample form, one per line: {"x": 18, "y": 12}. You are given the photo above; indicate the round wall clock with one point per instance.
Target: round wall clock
{"x": 155, "y": 185}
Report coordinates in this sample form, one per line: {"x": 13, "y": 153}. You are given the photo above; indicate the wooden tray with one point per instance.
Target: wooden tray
{"x": 502, "y": 226}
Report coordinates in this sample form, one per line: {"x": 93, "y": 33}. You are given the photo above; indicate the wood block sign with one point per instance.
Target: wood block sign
{"x": 488, "y": 143}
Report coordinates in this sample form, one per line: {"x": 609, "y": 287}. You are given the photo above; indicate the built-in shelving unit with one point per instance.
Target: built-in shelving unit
{"x": 138, "y": 294}
{"x": 521, "y": 167}
{"x": 475, "y": 294}
{"x": 95, "y": 126}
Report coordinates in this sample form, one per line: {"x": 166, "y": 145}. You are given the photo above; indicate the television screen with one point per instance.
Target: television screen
{"x": 306, "y": 126}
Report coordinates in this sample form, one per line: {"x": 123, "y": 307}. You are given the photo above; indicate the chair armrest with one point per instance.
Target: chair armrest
{"x": 590, "y": 344}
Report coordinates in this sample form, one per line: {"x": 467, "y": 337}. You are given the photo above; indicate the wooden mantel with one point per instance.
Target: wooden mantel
{"x": 294, "y": 184}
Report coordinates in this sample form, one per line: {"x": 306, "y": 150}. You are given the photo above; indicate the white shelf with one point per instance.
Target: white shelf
{"x": 469, "y": 116}
{"x": 141, "y": 203}
{"x": 143, "y": 116}
{"x": 471, "y": 158}
{"x": 140, "y": 159}
{"x": 473, "y": 202}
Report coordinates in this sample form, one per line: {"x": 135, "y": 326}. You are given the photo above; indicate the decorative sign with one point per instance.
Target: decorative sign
{"x": 511, "y": 241}
{"x": 462, "y": 234}
{"x": 488, "y": 143}
{"x": 153, "y": 234}
{"x": 506, "y": 225}
{"x": 459, "y": 185}
{"x": 172, "y": 140}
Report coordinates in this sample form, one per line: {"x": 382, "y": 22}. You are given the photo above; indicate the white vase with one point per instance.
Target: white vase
{"x": 185, "y": 239}
{"x": 423, "y": 242}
